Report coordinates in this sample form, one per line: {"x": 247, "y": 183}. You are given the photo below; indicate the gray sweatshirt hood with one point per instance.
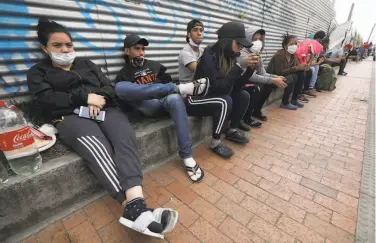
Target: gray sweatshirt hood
{"x": 250, "y": 32}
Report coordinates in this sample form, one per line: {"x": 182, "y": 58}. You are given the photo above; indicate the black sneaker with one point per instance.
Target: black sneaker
{"x": 254, "y": 124}
{"x": 342, "y": 74}
{"x": 223, "y": 151}
{"x": 237, "y": 137}
{"x": 260, "y": 116}
{"x": 244, "y": 126}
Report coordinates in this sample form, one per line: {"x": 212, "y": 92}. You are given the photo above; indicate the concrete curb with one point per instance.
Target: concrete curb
{"x": 365, "y": 230}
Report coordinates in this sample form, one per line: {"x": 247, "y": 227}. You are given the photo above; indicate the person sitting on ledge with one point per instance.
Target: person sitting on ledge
{"x": 62, "y": 83}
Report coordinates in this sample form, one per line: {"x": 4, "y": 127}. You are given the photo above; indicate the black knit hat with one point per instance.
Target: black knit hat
{"x": 193, "y": 23}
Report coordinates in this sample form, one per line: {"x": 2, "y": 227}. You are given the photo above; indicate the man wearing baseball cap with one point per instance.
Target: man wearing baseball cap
{"x": 147, "y": 87}
{"x": 192, "y": 51}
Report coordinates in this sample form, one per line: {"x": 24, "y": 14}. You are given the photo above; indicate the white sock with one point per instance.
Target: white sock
{"x": 186, "y": 89}
{"x": 190, "y": 162}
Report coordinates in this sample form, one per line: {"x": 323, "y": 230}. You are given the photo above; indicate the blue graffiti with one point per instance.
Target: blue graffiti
{"x": 86, "y": 11}
{"x": 15, "y": 45}
{"x": 90, "y": 10}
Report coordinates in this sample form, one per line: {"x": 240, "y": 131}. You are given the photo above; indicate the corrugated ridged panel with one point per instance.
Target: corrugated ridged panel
{"x": 99, "y": 27}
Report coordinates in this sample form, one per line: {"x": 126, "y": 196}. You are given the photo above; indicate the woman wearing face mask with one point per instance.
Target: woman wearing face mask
{"x": 260, "y": 76}
{"x": 284, "y": 63}
{"x": 60, "y": 84}
{"x": 225, "y": 99}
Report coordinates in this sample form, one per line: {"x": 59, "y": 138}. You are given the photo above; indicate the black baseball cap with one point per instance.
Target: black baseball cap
{"x": 234, "y": 30}
{"x": 133, "y": 39}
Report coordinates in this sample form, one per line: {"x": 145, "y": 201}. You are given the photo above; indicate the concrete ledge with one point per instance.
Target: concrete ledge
{"x": 65, "y": 181}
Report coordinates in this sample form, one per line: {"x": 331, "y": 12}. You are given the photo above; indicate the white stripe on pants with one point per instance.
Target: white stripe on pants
{"x": 221, "y": 101}
{"x": 101, "y": 161}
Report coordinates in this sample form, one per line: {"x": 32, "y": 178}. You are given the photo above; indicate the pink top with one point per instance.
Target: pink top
{"x": 307, "y": 47}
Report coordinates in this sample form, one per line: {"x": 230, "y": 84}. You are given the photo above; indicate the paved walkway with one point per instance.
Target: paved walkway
{"x": 297, "y": 180}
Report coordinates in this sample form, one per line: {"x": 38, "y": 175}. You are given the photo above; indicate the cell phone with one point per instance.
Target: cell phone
{"x": 84, "y": 113}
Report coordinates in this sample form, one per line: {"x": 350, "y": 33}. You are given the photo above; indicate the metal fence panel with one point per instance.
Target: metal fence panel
{"x": 99, "y": 27}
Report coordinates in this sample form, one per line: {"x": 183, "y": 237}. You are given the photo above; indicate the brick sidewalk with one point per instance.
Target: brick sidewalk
{"x": 297, "y": 180}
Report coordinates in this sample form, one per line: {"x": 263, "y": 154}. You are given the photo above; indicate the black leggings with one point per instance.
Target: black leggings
{"x": 221, "y": 108}
{"x": 255, "y": 95}
{"x": 293, "y": 84}
{"x": 341, "y": 65}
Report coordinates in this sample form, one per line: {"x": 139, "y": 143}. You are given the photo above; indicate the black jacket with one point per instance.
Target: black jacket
{"x": 59, "y": 92}
{"x": 208, "y": 67}
{"x": 150, "y": 72}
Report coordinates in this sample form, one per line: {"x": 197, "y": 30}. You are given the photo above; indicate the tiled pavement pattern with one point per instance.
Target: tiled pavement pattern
{"x": 298, "y": 180}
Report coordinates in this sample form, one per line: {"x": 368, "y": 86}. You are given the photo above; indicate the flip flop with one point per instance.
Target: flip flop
{"x": 191, "y": 171}
{"x": 141, "y": 224}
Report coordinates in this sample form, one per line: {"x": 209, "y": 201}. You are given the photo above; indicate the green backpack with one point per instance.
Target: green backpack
{"x": 327, "y": 78}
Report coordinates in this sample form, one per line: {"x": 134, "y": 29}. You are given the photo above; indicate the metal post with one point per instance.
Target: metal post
{"x": 369, "y": 37}
{"x": 351, "y": 12}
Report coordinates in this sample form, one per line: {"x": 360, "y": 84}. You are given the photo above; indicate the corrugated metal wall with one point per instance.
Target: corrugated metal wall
{"x": 99, "y": 27}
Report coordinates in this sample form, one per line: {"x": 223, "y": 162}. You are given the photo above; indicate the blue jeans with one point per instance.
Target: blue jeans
{"x": 315, "y": 73}
{"x": 154, "y": 100}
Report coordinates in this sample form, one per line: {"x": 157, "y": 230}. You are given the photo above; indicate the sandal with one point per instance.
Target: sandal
{"x": 167, "y": 217}
{"x": 197, "y": 90}
{"x": 192, "y": 172}
{"x": 141, "y": 224}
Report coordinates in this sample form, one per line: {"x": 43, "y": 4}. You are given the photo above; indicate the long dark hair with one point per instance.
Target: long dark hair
{"x": 222, "y": 50}
{"x": 286, "y": 39}
{"x": 46, "y": 28}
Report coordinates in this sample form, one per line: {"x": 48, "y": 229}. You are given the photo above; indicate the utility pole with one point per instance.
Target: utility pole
{"x": 370, "y": 34}
{"x": 351, "y": 12}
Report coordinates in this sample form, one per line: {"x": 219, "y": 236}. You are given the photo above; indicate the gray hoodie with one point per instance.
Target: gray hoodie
{"x": 260, "y": 76}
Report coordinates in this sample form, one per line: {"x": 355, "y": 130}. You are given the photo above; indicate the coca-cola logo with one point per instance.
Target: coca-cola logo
{"x": 19, "y": 138}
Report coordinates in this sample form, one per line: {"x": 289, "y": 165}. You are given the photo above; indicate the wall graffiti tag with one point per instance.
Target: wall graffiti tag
{"x": 162, "y": 22}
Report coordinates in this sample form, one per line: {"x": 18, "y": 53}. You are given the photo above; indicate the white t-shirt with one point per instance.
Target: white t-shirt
{"x": 188, "y": 55}
{"x": 336, "y": 53}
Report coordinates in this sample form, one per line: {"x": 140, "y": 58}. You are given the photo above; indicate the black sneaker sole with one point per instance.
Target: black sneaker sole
{"x": 238, "y": 141}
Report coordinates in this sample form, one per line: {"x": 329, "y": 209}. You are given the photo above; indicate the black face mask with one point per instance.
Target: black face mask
{"x": 137, "y": 61}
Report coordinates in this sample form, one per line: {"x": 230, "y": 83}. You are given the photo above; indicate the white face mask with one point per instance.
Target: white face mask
{"x": 63, "y": 59}
{"x": 292, "y": 49}
{"x": 257, "y": 46}
{"x": 193, "y": 43}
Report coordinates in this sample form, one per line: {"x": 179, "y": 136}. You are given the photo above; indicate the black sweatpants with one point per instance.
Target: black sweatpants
{"x": 268, "y": 88}
{"x": 255, "y": 95}
{"x": 222, "y": 108}
{"x": 341, "y": 65}
{"x": 108, "y": 148}
{"x": 308, "y": 75}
